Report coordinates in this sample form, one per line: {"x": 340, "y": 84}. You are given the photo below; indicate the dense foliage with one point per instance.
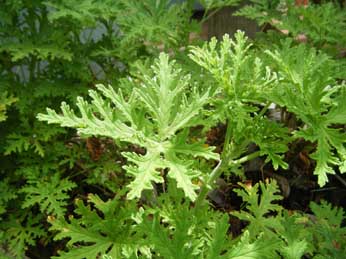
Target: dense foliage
{"x": 144, "y": 93}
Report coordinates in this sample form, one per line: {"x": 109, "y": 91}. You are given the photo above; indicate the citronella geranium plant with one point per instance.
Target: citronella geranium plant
{"x": 135, "y": 181}
{"x": 156, "y": 116}
{"x": 160, "y": 112}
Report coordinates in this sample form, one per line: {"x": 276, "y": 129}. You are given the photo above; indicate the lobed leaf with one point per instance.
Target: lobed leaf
{"x": 150, "y": 117}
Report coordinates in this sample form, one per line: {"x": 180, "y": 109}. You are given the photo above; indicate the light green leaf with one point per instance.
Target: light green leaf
{"x": 295, "y": 250}
{"x": 196, "y": 149}
{"x": 183, "y": 176}
{"x": 245, "y": 249}
{"x": 146, "y": 172}
{"x": 310, "y": 90}
{"x": 159, "y": 106}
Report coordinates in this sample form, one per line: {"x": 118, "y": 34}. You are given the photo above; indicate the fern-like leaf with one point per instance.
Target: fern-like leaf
{"x": 107, "y": 229}
{"x": 242, "y": 79}
{"x": 245, "y": 249}
{"x": 150, "y": 117}
{"x": 259, "y": 207}
{"x": 309, "y": 90}
{"x": 328, "y": 230}
{"x": 5, "y": 101}
{"x": 296, "y": 239}
{"x": 50, "y": 195}
{"x": 22, "y": 231}
{"x": 187, "y": 232}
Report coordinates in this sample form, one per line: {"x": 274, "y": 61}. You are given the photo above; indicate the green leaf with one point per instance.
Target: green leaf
{"x": 49, "y": 194}
{"x": 218, "y": 239}
{"x": 16, "y": 143}
{"x": 328, "y": 231}
{"x": 239, "y": 73}
{"x": 146, "y": 172}
{"x": 242, "y": 81}
{"x": 22, "y": 231}
{"x": 326, "y": 212}
{"x": 272, "y": 139}
{"x": 319, "y": 18}
{"x": 309, "y": 89}
{"x": 258, "y": 207}
{"x": 165, "y": 246}
{"x": 261, "y": 10}
{"x": 5, "y": 101}
{"x": 27, "y": 49}
{"x": 151, "y": 117}
{"x": 7, "y": 193}
{"x": 211, "y": 4}
{"x": 196, "y": 149}
{"x": 154, "y": 23}
{"x": 85, "y": 12}
{"x": 187, "y": 232}
{"x": 296, "y": 239}
{"x": 245, "y": 249}
{"x": 105, "y": 231}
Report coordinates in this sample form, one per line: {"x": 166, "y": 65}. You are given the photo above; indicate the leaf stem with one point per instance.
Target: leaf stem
{"x": 204, "y": 189}
{"x": 264, "y": 109}
{"x": 208, "y": 13}
{"x": 217, "y": 172}
{"x": 218, "y": 169}
{"x": 225, "y": 151}
{"x": 245, "y": 158}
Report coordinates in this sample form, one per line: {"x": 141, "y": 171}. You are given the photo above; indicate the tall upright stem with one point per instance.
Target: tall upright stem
{"x": 225, "y": 151}
{"x": 217, "y": 171}
{"x": 225, "y": 161}
{"x": 205, "y": 187}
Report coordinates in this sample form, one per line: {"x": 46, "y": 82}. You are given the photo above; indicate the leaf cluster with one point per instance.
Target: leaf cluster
{"x": 291, "y": 234}
{"x": 56, "y": 50}
{"x": 322, "y": 24}
{"x": 150, "y": 117}
{"x": 309, "y": 89}
{"x": 102, "y": 227}
{"x": 138, "y": 167}
{"x": 242, "y": 79}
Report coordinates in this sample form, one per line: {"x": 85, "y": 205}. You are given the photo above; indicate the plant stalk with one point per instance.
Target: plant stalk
{"x": 204, "y": 189}
{"x": 245, "y": 158}
{"x": 225, "y": 151}
{"x": 264, "y": 109}
{"x": 217, "y": 171}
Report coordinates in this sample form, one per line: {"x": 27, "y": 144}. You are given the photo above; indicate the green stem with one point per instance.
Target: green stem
{"x": 245, "y": 158}
{"x": 218, "y": 169}
{"x": 207, "y": 17}
{"x": 217, "y": 172}
{"x": 205, "y": 187}
{"x": 264, "y": 109}
{"x": 225, "y": 150}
